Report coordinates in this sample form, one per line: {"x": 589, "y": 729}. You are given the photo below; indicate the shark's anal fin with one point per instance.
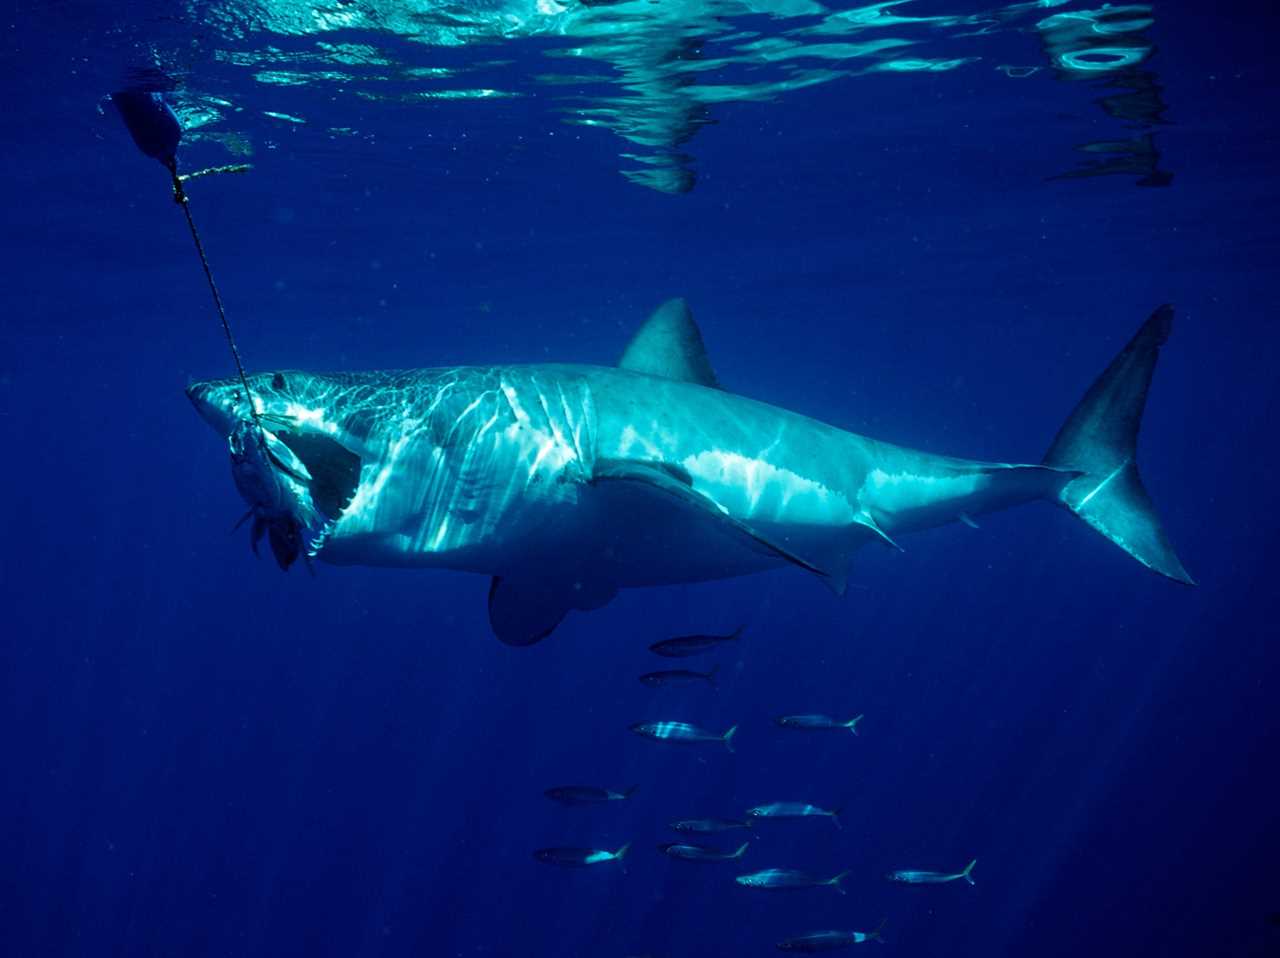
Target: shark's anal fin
{"x": 674, "y": 483}
{"x": 670, "y": 346}
{"x": 525, "y": 609}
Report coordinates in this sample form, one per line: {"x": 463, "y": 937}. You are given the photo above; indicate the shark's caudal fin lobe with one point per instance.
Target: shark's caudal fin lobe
{"x": 669, "y": 345}
{"x": 1100, "y": 440}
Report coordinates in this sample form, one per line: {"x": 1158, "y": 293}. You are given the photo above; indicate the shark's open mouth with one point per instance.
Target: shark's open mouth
{"x": 333, "y": 468}
{"x": 297, "y": 485}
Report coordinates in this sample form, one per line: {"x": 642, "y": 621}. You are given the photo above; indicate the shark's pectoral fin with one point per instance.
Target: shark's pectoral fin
{"x": 675, "y": 486}
{"x": 669, "y": 345}
{"x": 526, "y": 609}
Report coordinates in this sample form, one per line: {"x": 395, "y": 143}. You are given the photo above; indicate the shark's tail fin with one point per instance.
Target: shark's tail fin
{"x": 852, "y": 724}
{"x": 742, "y": 850}
{"x": 621, "y": 853}
{"x": 835, "y": 882}
{"x": 967, "y": 874}
{"x": 1100, "y": 439}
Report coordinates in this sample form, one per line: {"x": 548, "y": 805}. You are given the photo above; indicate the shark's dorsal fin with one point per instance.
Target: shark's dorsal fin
{"x": 669, "y": 345}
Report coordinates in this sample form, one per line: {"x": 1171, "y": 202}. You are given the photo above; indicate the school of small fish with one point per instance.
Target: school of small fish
{"x": 771, "y": 879}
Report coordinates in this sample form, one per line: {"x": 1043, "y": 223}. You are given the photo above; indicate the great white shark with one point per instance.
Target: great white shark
{"x": 567, "y": 482}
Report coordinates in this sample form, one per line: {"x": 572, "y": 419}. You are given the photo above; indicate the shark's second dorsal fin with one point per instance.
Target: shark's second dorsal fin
{"x": 669, "y": 345}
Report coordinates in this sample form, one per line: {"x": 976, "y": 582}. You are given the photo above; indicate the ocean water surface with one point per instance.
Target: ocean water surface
{"x": 932, "y": 223}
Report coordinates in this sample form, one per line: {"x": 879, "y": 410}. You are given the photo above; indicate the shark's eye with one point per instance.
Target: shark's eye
{"x": 277, "y": 381}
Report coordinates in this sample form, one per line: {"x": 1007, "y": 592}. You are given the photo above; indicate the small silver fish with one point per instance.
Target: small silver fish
{"x": 829, "y": 940}
{"x": 700, "y": 853}
{"x": 682, "y": 733}
{"x": 909, "y": 876}
{"x": 676, "y": 676}
{"x": 587, "y": 794}
{"x": 708, "y": 826}
{"x": 576, "y": 857}
{"x": 685, "y": 645}
{"x": 793, "y": 810}
{"x": 786, "y": 879}
{"x": 814, "y": 723}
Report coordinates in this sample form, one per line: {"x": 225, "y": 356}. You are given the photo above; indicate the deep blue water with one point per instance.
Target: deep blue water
{"x": 203, "y": 756}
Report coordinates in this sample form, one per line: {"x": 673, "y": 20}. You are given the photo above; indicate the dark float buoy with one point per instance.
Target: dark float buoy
{"x": 152, "y": 124}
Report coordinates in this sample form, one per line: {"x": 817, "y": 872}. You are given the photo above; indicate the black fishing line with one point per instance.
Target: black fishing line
{"x": 180, "y": 197}
{"x": 156, "y": 131}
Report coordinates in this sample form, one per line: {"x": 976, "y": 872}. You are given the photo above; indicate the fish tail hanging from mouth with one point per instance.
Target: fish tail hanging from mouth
{"x": 279, "y": 541}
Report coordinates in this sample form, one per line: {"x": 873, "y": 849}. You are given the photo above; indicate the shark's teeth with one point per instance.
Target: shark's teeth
{"x": 316, "y": 541}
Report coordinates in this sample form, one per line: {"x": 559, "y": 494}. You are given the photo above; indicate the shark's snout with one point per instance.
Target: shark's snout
{"x": 215, "y": 406}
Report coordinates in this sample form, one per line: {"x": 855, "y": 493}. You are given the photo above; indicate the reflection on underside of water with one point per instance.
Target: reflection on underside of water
{"x": 650, "y": 73}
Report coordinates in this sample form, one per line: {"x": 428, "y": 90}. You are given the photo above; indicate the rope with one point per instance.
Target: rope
{"x": 180, "y": 197}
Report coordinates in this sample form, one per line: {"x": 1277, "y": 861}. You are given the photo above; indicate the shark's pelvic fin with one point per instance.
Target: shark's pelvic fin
{"x": 1100, "y": 440}
{"x": 674, "y": 485}
{"x": 867, "y": 521}
{"x": 669, "y": 345}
